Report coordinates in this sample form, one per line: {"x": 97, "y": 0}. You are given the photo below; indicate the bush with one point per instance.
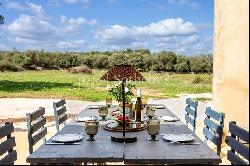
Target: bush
{"x": 200, "y": 80}
{"x": 81, "y": 69}
{"x": 7, "y": 66}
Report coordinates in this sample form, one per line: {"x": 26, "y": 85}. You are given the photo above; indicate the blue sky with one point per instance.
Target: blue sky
{"x": 183, "y": 26}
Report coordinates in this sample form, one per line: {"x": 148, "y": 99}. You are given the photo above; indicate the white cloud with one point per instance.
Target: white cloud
{"x": 83, "y": 3}
{"x": 28, "y": 6}
{"x": 169, "y": 34}
{"x": 37, "y": 9}
{"x": 15, "y": 6}
{"x": 72, "y": 45}
{"x": 38, "y": 32}
{"x": 191, "y": 45}
{"x": 27, "y": 28}
{"x": 72, "y": 25}
{"x": 124, "y": 35}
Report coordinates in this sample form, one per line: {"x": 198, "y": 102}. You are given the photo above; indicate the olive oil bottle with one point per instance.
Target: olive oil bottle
{"x": 138, "y": 106}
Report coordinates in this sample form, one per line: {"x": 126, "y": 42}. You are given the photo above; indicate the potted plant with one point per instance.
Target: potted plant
{"x": 116, "y": 92}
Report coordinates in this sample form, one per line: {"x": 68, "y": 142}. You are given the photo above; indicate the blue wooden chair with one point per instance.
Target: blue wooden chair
{"x": 213, "y": 130}
{"x": 36, "y": 129}
{"x": 6, "y": 147}
{"x": 191, "y": 112}
{"x": 239, "y": 153}
{"x": 60, "y": 113}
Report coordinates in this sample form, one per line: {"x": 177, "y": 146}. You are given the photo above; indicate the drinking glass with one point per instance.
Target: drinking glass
{"x": 91, "y": 129}
{"x": 109, "y": 101}
{"x": 144, "y": 101}
{"x": 153, "y": 129}
{"x": 150, "y": 111}
{"x": 103, "y": 112}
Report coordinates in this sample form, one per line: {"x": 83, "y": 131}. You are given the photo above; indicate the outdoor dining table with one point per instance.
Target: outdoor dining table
{"x": 141, "y": 152}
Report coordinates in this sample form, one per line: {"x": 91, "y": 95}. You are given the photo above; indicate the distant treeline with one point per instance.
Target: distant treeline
{"x": 143, "y": 59}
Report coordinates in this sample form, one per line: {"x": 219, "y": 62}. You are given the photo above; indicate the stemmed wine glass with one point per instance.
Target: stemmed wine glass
{"x": 103, "y": 112}
{"x": 91, "y": 129}
{"x": 150, "y": 111}
{"x": 144, "y": 102}
{"x": 153, "y": 129}
{"x": 108, "y": 101}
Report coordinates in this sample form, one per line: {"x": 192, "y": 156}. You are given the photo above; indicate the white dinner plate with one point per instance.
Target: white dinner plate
{"x": 67, "y": 138}
{"x": 178, "y": 137}
{"x": 170, "y": 118}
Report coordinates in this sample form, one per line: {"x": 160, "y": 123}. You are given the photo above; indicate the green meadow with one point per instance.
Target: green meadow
{"x": 89, "y": 87}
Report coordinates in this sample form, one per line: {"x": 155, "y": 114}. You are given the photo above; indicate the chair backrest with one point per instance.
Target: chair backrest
{"x": 8, "y": 145}
{"x": 36, "y": 129}
{"x": 239, "y": 153}
{"x": 213, "y": 130}
{"x": 60, "y": 113}
{"x": 191, "y": 112}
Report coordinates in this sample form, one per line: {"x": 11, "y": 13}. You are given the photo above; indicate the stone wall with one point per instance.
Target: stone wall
{"x": 231, "y": 60}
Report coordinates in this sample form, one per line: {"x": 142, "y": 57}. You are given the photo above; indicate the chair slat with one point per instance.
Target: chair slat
{"x": 190, "y": 120}
{"x": 215, "y": 115}
{"x": 37, "y": 114}
{"x": 238, "y": 147}
{"x": 39, "y": 136}
{"x": 62, "y": 119}
{"x": 192, "y": 103}
{"x": 38, "y": 125}
{"x": 213, "y": 126}
{"x": 210, "y": 136}
{"x": 7, "y": 145}
{"x": 190, "y": 111}
{"x": 61, "y": 110}
{"x": 60, "y": 103}
{"x": 6, "y": 130}
{"x": 9, "y": 159}
{"x": 239, "y": 132}
{"x": 234, "y": 159}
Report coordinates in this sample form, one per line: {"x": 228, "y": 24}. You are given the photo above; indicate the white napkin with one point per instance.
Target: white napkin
{"x": 94, "y": 107}
{"x": 160, "y": 107}
{"x": 83, "y": 119}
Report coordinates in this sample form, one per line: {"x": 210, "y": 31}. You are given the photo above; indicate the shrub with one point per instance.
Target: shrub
{"x": 200, "y": 80}
{"x": 197, "y": 80}
{"x": 7, "y": 66}
{"x": 81, "y": 69}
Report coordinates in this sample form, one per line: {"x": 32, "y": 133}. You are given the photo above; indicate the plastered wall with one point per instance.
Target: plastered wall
{"x": 231, "y": 60}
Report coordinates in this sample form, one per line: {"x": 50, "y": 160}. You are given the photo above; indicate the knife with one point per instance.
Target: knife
{"x": 188, "y": 143}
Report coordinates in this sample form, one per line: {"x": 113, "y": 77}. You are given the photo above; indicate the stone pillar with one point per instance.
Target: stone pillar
{"x": 231, "y": 60}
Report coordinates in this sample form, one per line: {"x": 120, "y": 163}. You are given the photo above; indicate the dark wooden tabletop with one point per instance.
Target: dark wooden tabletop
{"x": 141, "y": 152}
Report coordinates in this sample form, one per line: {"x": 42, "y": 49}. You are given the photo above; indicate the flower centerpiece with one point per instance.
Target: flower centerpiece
{"x": 119, "y": 120}
{"x": 116, "y": 92}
